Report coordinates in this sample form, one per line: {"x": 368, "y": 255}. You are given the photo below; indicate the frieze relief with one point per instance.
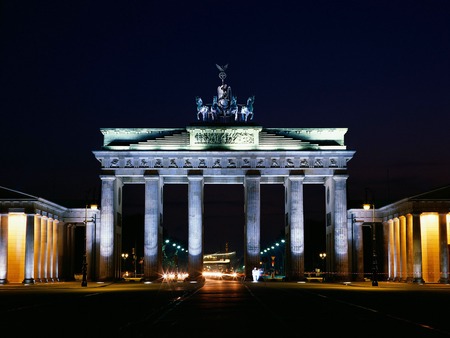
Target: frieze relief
{"x": 224, "y": 137}
{"x": 225, "y": 162}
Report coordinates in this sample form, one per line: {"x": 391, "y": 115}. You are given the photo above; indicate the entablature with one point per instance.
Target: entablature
{"x": 130, "y": 161}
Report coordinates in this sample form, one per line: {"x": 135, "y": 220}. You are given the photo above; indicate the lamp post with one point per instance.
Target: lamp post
{"x": 322, "y": 256}
{"x": 124, "y": 256}
{"x": 84, "y": 265}
{"x": 367, "y": 206}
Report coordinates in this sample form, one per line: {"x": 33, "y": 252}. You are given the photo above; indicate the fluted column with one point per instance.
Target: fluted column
{"x": 37, "y": 248}
{"x": 152, "y": 233}
{"x": 443, "y": 249}
{"x": 359, "y": 250}
{"x": 397, "y": 249}
{"x": 106, "y": 264}
{"x": 385, "y": 236}
{"x": 50, "y": 249}
{"x": 391, "y": 251}
{"x": 417, "y": 249}
{"x": 409, "y": 249}
{"x": 43, "y": 251}
{"x": 252, "y": 231}
{"x": 296, "y": 228}
{"x": 340, "y": 228}
{"x": 29, "y": 250}
{"x": 195, "y": 235}
{"x": 55, "y": 256}
{"x": 403, "y": 255}
{"x": 90, "y": 228}
{"x": 3, "y": 248}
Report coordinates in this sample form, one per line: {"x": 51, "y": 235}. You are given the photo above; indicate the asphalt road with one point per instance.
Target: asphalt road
{"x": 225, "y": 308}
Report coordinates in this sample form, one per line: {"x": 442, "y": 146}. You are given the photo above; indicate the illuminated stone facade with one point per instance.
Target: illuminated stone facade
{"x": 233, "y": 153}
{"x": 37, "y": 239}
{"x": 412, "y": 238}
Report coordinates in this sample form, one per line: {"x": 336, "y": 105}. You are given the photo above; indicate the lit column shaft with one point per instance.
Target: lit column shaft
{"x": 106, "y": 265}
{"x": 358, "y": 243}
{"x": 409, "y": 249}
{"x": 43, "y": 250}
{"x": 55, "y": 258}
{"x": 340, "y": 227}
{"x": 37, "y": 248}
{"x": 3, "y": 248}
{"x": 90, "y": 231}
{"x": 252, "y": 248}
{"x": 391, "y": 251}
{"x": 152, "y": 240}
{"x": 397, "y": 250}
{"x": 49, "y": 249}
{"x": 195, "y": 236}
{"x": 417, "y": 249}
{"x": 403, "y": 254}
{"x": 296, "y": 224}
{"x": 29, "y": 250}
{"x": 443, "y": 248}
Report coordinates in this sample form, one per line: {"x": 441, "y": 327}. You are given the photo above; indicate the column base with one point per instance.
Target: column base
{"x": 28, "y": 281}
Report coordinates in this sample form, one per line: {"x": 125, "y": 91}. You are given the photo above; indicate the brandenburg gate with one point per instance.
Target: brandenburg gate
{"x": 223, "y": 146}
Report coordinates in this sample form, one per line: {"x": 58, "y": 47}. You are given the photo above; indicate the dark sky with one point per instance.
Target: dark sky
{"x": 379, "y": 68}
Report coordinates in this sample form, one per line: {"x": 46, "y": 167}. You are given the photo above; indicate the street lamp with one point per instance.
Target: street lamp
{"x": 367, "y": 206}
{"x": 84, "y": 266}
{"x": 124, "y": 256}
{"x": 322, "y": 256}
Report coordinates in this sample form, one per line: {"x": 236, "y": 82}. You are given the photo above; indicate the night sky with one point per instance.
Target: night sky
{"x": 379, "y": 68}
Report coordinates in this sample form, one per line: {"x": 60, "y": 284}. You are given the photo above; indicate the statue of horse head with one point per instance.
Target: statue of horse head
{"x": 250, "y": 102}
{"x": 199, "y": 102}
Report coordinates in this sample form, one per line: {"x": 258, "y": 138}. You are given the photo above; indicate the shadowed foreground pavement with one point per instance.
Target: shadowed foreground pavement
{"x": 225, "y": 308}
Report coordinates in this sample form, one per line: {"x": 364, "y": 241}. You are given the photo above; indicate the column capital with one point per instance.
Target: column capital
{"x": 253, "y": 174}
{"x": 148, "y": 173}
{"x": 107, "y": 177}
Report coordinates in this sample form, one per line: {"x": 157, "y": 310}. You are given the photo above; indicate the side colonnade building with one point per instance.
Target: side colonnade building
{"x": 413, "y": 237}
{"x": 38, "y": 240}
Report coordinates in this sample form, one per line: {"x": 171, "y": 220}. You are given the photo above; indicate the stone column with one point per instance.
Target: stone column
{"x": 417, "y": 249}
{"x": 3, "y": 248}
{"x": 90, "y": 243}
{"x": 403, "y": 254}
{"x": 409, "y": 249}
{"x": 50, "y": 249}
{"x": 152, "y": 233}
{"x": 443, "y": 249}
{"x": 37, "y": 248}
{"x": 55, "y": 258}
{"x": 295, "y": 222}
{"x": 29, "y": 250}
{"x": 195, "y": 235}
{"x": 359, "y": 248}
{"x": 391, "y": 251}
{"x": 106, "y": 264}
{"x": 252, "y": 229}
{"x": 43, "y": 250}
{"x": 397, "y": 271}
{"x": 385, "y": 262}
{"x": 340, "y": 228}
